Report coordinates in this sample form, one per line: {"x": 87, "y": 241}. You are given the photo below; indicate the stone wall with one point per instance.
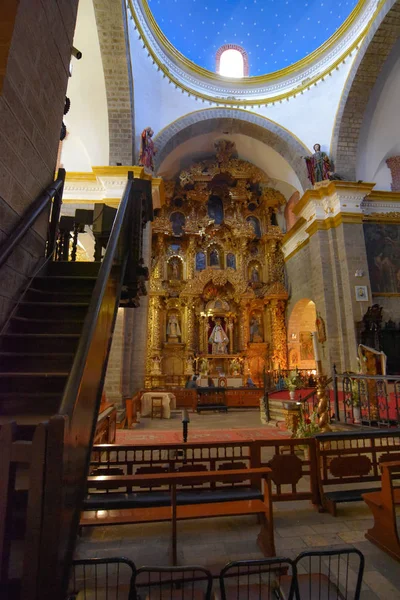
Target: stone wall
{"x": 31, "y": 111}
{"x": 112, "y": 385}
{"x": 324, "y": 271}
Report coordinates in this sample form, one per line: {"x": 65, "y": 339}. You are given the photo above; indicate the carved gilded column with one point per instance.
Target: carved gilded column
{"x": 203, "y": 333}
{"x": 190, "y": 259}
{"x": 159, "y": 254}
{"x": 190, "y": 327}
{"x": 155, "y": 320}
{"x": 278, "y": 334}
{"x": 244, "y": 333}
{"x": 241, "y": 264}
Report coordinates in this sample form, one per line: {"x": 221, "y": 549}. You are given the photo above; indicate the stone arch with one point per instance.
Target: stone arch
{"x": 370, "y": 59}
{"x": 111, "y": 17}
{"x": 234, "y": 121}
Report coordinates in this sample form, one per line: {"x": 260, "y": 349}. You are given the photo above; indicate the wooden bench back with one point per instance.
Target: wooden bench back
{"x": 294, "y": 473}
{"x": 355, "y": 457}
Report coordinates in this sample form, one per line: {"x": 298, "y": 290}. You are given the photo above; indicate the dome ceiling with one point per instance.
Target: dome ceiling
{"x": 274, "y": 33}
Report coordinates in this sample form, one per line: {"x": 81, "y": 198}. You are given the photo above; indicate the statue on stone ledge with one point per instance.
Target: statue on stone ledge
{"x": 147, "y": 149}
{"x": 319, "y": 166}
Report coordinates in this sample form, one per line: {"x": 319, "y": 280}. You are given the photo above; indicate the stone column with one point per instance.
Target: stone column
{"x": 279, "y": 334}
{"x": 394, "y": 165}
{"x": 136, "y": 335}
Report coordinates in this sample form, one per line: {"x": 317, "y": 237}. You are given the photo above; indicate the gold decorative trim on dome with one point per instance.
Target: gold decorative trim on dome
{"x": 236, "y": 102}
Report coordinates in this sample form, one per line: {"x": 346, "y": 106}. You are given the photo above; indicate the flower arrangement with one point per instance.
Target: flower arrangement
{"x": 291, "y": 381}
{"x": 308, "y": 424}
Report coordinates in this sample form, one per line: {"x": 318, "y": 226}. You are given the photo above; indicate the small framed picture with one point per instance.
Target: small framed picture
{"x": 294, "y": 336}
{"x": 361, "y": 293}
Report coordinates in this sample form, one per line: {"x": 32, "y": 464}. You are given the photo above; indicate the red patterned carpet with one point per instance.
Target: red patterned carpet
{"x": 125, "y": 436}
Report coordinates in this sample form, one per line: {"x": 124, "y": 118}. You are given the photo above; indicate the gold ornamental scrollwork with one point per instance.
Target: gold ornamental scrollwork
{"x": 218, "y": 277}
{"x": 279, "y": 334}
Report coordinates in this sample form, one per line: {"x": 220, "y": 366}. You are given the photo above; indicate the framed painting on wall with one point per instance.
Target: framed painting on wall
{"x": 383, "y": 254}
{"x": 306, "y": 346}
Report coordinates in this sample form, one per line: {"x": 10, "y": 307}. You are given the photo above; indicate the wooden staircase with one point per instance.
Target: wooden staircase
{"x": 38, "y": 345}
{"x": 54, "y": 351}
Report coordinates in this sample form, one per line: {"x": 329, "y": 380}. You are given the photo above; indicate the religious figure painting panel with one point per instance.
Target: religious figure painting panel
{"x": 215, "y": 209}
{"x": 178, "y": 222}
{"x": 306, "y": 346}
{"x": 214, "y": 258}
{"x": 200, "y": 261}
{"x": 255, "y": 223}
{"x": 231, "y": 261}
{"x": 383, "y": 254}
{"x": 256, "y": 332}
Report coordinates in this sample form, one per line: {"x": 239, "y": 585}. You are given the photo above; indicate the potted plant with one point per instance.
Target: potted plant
{"x": 291, "y": 383}
{"x": 356, "y": 388}
{"x": 307, "y": 427}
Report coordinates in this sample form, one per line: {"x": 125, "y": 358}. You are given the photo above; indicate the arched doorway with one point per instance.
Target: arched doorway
{"x": 301, "y": 325}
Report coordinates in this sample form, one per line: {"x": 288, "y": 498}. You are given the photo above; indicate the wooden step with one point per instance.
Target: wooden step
{"x": 20, "y": 324}
{"x": 39, "y": 342}
{"x": 15, "y": 362}
{"x": 65, "y": 283}
{"x": 37, "y": 295}
{"x": 53, "y": 310}
{"x": 29, "y": 403}
{"x": 27, "y": 382}
{"x": 74, "y": 269}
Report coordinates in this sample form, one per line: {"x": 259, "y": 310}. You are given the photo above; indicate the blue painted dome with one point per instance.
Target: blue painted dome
{"x": 274, "y": 33}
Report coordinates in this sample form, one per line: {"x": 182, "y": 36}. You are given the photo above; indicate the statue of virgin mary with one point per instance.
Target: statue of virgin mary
{"x": 218, "y": 339}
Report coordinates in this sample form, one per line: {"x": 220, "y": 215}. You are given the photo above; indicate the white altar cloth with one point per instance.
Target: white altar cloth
{"x": 168, "y": 403}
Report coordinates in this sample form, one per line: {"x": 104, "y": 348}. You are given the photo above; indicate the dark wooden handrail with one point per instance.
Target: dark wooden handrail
{"x": 74, "y": 427}
{"x": 54, "y": 190}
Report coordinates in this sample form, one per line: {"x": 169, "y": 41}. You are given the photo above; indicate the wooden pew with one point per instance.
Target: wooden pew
{"x": 384, "y": 533}
{"x": 353, "y": 458}
{"x": 110, "y": 506}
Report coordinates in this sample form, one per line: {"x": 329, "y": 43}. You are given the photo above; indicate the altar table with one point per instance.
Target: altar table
{"x": 168, "y": 403}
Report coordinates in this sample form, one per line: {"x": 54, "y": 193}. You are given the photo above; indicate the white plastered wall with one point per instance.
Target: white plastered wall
{"x": 87, "y": 142}
{"x": 158, "y": 103}
{"x": 380, "y": 132}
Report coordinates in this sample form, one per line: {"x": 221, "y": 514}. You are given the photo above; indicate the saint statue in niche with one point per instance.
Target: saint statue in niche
{"x": 173, "y": 329}
{"x": 200, "y": 261}
{"x": 215, "y": 209}
{"x": 147, "y": 149}
{"x": 255, "y": 329}
{"x": 214, "y": 258}
{"x": 178, "y": 222}
{"x": 255, "y": 223}
{"x": 218, "y": 339}
{"x": 174, "y": 269}
{"x": 318, "y": 165}
{"x": 231, "y": 261}
{"x": 255, "y": 275}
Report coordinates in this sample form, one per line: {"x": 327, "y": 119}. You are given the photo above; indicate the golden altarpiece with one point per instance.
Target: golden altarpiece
{"x": 217, "y": 289}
